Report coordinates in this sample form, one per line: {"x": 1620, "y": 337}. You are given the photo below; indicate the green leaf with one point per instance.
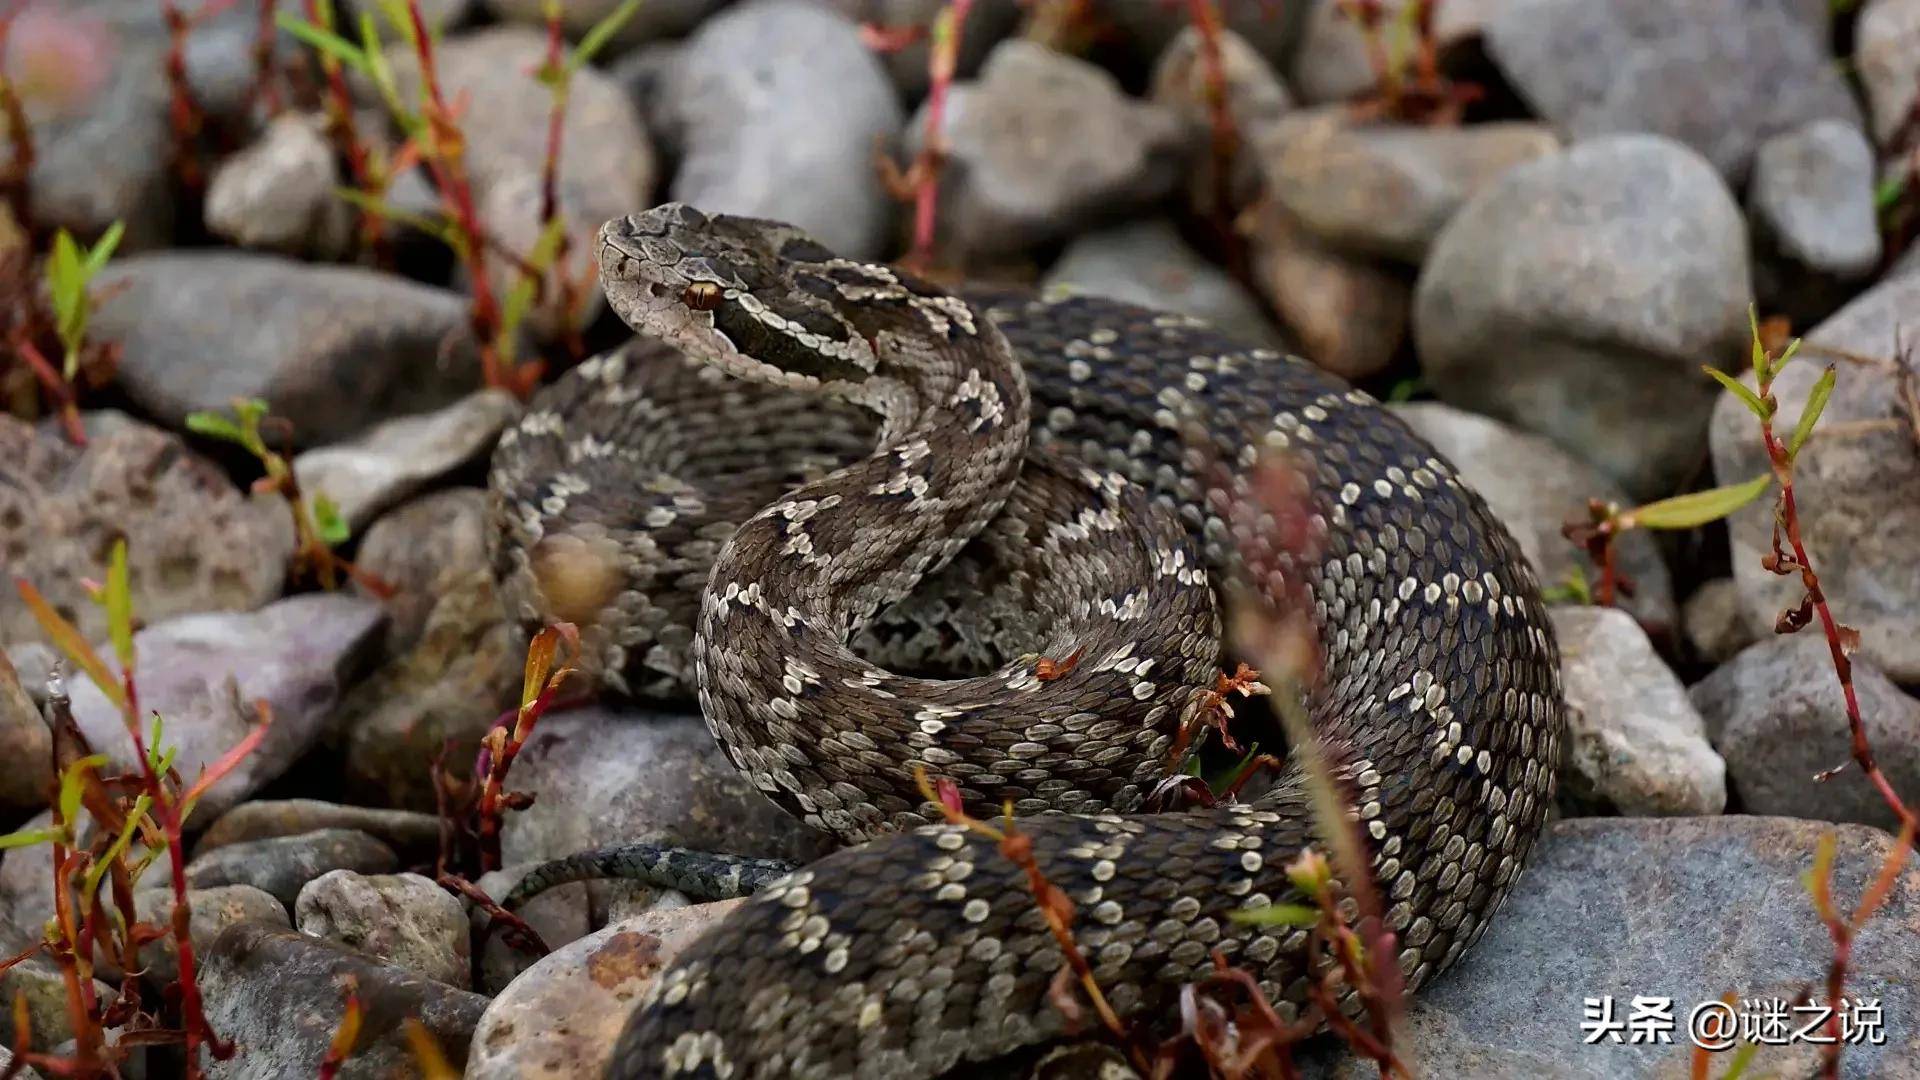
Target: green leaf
{"x": 326, "y": 518}
{"x": 324, "y": 41}
{"x": 1816, "y": 403}
{"x": 214, "y": 425}
{"x": 100, "y": 867}
{"x": 1699, "y": 507}
{"x": 30, "y": 837}
{"x": 68, "y": 286}
{"x": 155, "y": 738}
{"x": 1754, "y": 402}
{"x": 597, "y": 37}
{"x": 119, "y": 604}
{"x": 1277, "y": 915}
{"x": 102, "y": 249}
{"x": 73, "y": 785}
{"x": 1759, "y": 350}
{"x": 440, "y": 230}
{"x": 1889, "y": 191}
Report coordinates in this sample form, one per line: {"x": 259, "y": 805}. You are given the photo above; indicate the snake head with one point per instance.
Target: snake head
{"x": 754, "y": 298}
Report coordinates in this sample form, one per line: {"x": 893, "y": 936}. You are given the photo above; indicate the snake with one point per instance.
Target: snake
{"x": 809, "y": 471}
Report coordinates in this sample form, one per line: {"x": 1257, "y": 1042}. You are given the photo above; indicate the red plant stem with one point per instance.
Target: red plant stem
{"x": 1205, "y": 17}
{"x": 183, "y": 112}
{"x": 450, "y": 175}
{"x": 59, "y": 391}
{"x": 14, "y": 182}
{"x": 550, "y": 182}
{"x": 265, "y": 90}
{"x": 941, "y": 63}
{"x": 346, "y": 135}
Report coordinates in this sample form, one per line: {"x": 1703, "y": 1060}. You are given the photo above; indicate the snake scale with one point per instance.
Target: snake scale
{"x": 707, "y": 526}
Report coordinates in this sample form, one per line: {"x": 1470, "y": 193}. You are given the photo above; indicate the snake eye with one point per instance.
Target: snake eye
{"x": 701, "y": 296}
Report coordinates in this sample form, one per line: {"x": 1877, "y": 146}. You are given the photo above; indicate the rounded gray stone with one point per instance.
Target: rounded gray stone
{"x": 404, "y": 919}
{"x": 1147, "y": 263}
{"x": 281, "y": 866}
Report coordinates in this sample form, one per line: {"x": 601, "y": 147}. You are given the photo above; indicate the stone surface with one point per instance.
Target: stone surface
{"x": 1147, "y": 263}
{"x": 1681, "y": 908}
{"x": 607, "y": 168}
{"x": 1578, "y": 297}
{"x": 39, "y": 981}
{"x": 987, "y": 23}
{"x": 25, "y": 745}
{"x": 1718, "y": 75}
{"x": 278, "y": 194}
{"x": 1884, "y": 43}
{"x": 1256, "y": 99}
{"x": 1857, "y": 484}
{"x": 560, "y": 1017}
{"x": 1348, "y": 313}
{"x": 393, "y": 460}
{"x": 332, "y": 349}
{"x": 414, "y": 836}
{"x": 1635, "y": 745}
{"x": 203, "y": 673}
{"x": 213, "y": 910}
{"x": 403, "y": 919}
{"x": 654, "y": 19}
{"x": 777, "y": 107}
{"x": 282, "y": 865}
{"x": 559, "y": 915}
{"x": 1012, "y": 182}
{"x": 1776, "y": 714}
{"x": 1714, "y": 624}
{"x": 1331, "y": 62}
{"x": 194, "y": 541}
{"x": 1534, "y": 488}
{"x": 439, "y": 697}
{"x": 419, "y": 549}
{"x": 1387, "y": 191}
{"x": 278, "y": 995}
{"x": 1816, "y": 233}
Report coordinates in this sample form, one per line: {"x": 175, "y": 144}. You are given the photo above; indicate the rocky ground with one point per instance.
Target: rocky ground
{"x": 1532, "y": 263}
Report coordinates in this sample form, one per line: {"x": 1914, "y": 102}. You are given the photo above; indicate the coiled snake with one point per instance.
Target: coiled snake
{"x": 914, "y": 951}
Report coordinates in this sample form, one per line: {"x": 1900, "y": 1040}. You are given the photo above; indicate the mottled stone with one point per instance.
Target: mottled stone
{"x": 1635, "y": 745}
{"x": 1885, "y": 41}
{"x": 1013, "y": 181}
{"x": 24, "y": 743}
{"x": 282, "y": 865}
{"x": 203, "y": 673}
{"x": 194, "y": 541}
{"x": 1348, "y": 313}
{"x": 1147, "y": 263}
{"x": 1534, "y": 488}
{"x": 1579, "y": 295}
{"x": 1680, "y": 908}
{"x": 1777, "y": 715}
{"x": 419, "y": 549}
{"x": 279, "y": 194}
{"x": 1857, "y": 484}
{"x": 560, "y": 1017}
{"x": 278, "y": 995}
{"x": 403, "y": 919}
{"x": 212, "y": 911}
{"x": 1718, "y": 75}
{"x": 332, "y": 349}
{"x": 777, "y": 107}
{"x": 1387, "y": 190}
{"x": 415, "y": 836}
{"x": 39, "y": 981}
{"x": 397, "y": 458}
{"x": 607, "y": 167}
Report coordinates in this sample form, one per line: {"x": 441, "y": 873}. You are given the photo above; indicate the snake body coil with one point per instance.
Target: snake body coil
{"x": 1105, "y": 505}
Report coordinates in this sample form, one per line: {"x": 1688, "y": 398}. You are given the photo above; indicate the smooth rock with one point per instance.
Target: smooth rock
{"x": 607, "y": 165}
{"x": 777, "y": 107}
{"x": 988, "y": 22}
{"x": 278, "y": 995}
{"x": 40, "y": 982}
{"x": 24, "y": 743}
{"x": 203, "y": 673}
{"x": 212, "y": 911}
{"x": 1043, "y": 145}
{"x": 282, "y": 865}
{"x": 1578, "y": 297}
{"x": 1719, "y": 75}
{"x": 419, "y": 549}
{"x": 1885, "y": 40}
{"x": 1387, "y": 191}
{"x": 1857, "y": 484}
{"x": 600, "y": 777}
{"x": 415, "y": 836}
{"x": 439, "y": 697}
{"x": 403, "y": 919}
{"x": 1348, "y": 313}
{"x": 26, "y": 891}
{"x": 278, "y": 194}
{"x": 1255, "y": 100}
{"x": 560, "y": 1018}
{"x": 399, "y": 457}
{"x": 1635, "y": 745}
{"x": 194, "y": 541}
{"x": 1777, "y": 715}
{"x": 1147, "y": 263}
{"x": 1680, "y": 908}
{"x": 332, "y": 349}
{"x": 653, "y": 20}
{"x": 1714, "y": 623}
{"x": 1815, "y": 228}
{"x": 1534, "y": 488}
